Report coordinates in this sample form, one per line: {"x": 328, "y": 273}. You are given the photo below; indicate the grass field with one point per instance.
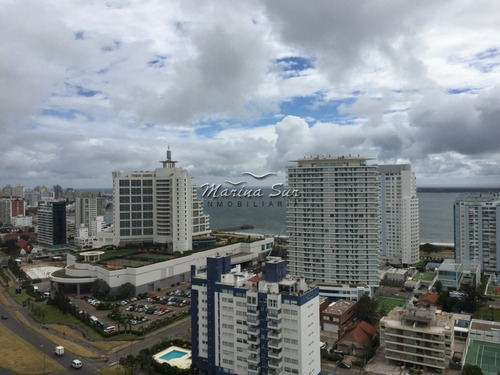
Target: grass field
{"x": 21, "y": 357}
{"x": 425, "y": 276}
{"x": 388, "y": 304}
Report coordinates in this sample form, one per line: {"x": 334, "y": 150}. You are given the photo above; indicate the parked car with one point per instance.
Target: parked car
{"x": 4, "y": 317}
{"x": 76, "y": 363}
{"x": 344, "y": 365}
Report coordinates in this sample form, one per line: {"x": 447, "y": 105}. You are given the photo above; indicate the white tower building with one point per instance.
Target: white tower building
{"x": 157, "y": 206}
{"x": 244, "y": 323}
{"x": 400, "y": 225}
{"x": 88, "y": 206}
{"x": 477, "y": 230}
{"x": 334, "y": 224}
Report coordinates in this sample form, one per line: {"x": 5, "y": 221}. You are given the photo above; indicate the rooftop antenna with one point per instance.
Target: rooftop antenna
{"x": 169, "y": 163}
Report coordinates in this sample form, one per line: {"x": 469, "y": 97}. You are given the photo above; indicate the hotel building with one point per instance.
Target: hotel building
{"x": 334, "y": 225}
{"x": 400, "y": 226}
{"x": 158, "y": 206}
{"x": 477, "y": 234}
{"x": 244, "y": 323}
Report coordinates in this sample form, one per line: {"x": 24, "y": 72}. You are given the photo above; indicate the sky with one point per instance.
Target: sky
{"x": 92, "y": 87}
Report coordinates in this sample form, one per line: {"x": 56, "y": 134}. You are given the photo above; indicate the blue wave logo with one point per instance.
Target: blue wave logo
{"x": 259, "y": 177}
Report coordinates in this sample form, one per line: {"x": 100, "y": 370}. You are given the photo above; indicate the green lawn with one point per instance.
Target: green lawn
{"x": 388, "y": 304}
{"x": 425, "y": 276}
{"x": 485, "y": 313}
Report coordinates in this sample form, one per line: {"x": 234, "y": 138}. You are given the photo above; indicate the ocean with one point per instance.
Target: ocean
{"x": 267, "y": 215}
{"x": 435, "y": 216}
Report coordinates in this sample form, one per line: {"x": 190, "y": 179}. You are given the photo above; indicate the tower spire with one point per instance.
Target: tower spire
{"x": 169, "y": 163}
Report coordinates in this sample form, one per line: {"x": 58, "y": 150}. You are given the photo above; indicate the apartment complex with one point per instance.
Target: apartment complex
{"x": 476, "y": 220}
{"x": 52, "y": 223}
{"x": 400, "y": 226}
{"x": 157, "y": 206}
{"x": 243, "y": 323}
{"x": 334, "y": 223}
{"x": 418, "y": 336}
{"x": 11, "y": 207}
{"x": 88, "y": 207}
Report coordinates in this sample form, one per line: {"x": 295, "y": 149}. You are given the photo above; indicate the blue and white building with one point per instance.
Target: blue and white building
{"x": 243, "y": 323}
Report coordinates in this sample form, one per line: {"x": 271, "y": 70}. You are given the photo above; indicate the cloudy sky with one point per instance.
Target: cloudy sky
{"x": 89, "y": 87}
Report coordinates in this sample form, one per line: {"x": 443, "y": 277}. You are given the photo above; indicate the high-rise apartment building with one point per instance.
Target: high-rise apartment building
{"x": 88, "y": 206}
{"x": 157, "y": 206}
{"x": 477, "y": 230}
{"x": 52, "y": 223}
{"x": 400, "y": 225}
{"x": 11, "y": 207}
{"x": 334, "y": 222}
{"x": 244, "y": 323}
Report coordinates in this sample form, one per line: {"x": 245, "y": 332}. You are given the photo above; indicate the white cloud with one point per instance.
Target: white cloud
{"x": 91, "y": 87}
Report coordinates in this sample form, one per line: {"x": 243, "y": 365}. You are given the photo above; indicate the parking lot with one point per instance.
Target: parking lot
{"x": 140, "y": 311}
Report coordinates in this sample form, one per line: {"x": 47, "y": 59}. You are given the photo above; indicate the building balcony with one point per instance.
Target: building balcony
{"x": 275, "y": 344}
{"x": 275, "y": 364}
{"x": 253, "y": 359}
{"x": 275, "y": 354}
{"x": 274, "y": 324}
{"x": 252, "y": 339}
{"x": 254, "y": 349}
{"x": 275, "y": 334}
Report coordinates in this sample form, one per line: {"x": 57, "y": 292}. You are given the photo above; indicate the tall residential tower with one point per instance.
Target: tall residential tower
{"x": 400, "y": 226}
{"x": 244, "y": 323}
{"x": 334, "y": 224}
{"x": 477, "y": 230}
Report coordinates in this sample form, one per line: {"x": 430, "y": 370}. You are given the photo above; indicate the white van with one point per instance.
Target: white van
{"x": 110, "y": 329}
{"x": 93, "y": 319}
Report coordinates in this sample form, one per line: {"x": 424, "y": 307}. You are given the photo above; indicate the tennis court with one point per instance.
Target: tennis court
{"x": 485, "y": 355}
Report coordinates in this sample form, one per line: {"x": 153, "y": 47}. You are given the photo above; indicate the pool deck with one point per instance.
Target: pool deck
{"x": 183, "y": 362}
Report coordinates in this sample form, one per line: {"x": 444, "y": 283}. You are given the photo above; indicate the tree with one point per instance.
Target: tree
{"x": 472, "y": 370}
{"x": 472, "y": 297}
{"x": 366, "y": 309}
{"x": 100, "y": 289}
{"x": 439, "y": 287}
{"x": 125, "y": 291}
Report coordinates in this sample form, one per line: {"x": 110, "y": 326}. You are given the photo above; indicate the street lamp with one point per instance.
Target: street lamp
{"x": 41, "y": 347}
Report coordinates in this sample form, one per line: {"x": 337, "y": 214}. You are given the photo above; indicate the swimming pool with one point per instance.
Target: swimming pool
{"x": 173, "y": 354}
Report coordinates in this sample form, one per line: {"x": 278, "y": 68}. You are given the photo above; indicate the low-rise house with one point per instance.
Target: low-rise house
{"x": 427, "y": 300}
{"x": 338, "y": 316}
{"x": 357, "y": 339}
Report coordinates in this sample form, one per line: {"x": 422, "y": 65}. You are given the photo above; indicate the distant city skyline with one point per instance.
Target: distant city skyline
{"x": 237, "y": 87}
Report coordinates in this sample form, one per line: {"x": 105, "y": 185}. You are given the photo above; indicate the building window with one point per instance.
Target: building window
{"x": 124, "y": 199}
{"x": 124, "y": 182}
{"x": 136, "y": 182}
{"x": 124, "y": 232}
{"x": 124, "y": 207}
{"x": 124, "y": 191}
{"x": 147, "y": 191}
